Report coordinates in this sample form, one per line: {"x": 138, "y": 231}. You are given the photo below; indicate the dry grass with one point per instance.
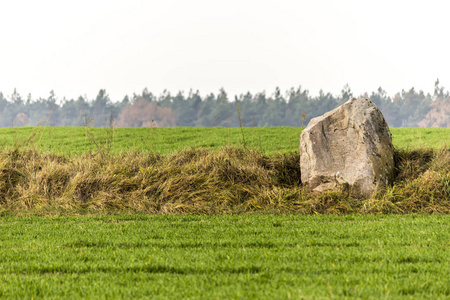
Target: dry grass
{"x": 201, "y": 181}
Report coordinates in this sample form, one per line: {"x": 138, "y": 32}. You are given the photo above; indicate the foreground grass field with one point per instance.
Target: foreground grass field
{"x": 224, "y": 257}
{"x": 267, "y": 140}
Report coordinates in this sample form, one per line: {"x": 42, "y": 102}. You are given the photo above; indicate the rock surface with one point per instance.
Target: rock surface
{"x": 351, "y": 146}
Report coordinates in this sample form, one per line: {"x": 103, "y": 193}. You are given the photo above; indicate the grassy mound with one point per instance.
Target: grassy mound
{"x": 202, "y": 181}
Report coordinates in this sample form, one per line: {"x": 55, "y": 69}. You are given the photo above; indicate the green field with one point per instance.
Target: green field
{"x": 226, "y": 257}
{"x": 267, "y": 140}
{"x": 167, "y": 219}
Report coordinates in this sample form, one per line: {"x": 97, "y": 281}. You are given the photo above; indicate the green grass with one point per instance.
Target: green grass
{"x": 267, "y": 140}
{"x": 415, "y": 138}
{"x": 250, "y": 255}
{"x": 226, "y": 257}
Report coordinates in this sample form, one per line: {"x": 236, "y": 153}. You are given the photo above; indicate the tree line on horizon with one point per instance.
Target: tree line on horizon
{"x": 296, "y": 107}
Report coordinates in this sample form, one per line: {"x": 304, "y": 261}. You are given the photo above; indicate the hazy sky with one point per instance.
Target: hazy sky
{"x": 78, "y": 47}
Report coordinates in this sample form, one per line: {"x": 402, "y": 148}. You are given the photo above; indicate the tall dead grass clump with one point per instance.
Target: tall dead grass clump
{"x": 422, "y": 184}
{"x": 202, "y": 181}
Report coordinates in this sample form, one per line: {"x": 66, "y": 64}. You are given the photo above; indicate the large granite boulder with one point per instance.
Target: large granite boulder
{"x": 349, "y": 146}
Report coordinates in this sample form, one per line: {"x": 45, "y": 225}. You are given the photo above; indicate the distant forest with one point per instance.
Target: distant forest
{"x": 296, "y": 107}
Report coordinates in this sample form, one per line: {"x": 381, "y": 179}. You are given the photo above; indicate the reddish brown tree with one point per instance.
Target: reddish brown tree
{"x": 22, "y": 119}
{"x": 142, "y": 113}
{"x": 439, "y": 115}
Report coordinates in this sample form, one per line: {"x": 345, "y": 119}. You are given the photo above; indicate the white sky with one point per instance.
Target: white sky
{"x": 78, "y": 47}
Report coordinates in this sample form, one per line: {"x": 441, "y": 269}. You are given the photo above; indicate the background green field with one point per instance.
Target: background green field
{"x": 268, "y": 140}
{"x": 226, "y": 257}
